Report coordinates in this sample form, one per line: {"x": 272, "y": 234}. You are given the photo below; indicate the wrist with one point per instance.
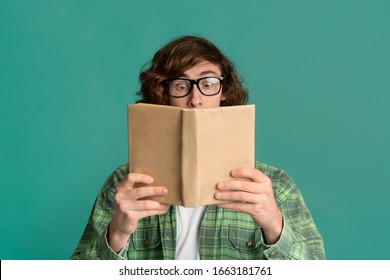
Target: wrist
{"x": 116, "y": 239}
{"x": 273, "y": 233}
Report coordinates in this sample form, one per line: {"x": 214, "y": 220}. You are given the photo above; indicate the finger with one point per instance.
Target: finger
{"x": 240, "y": 186}
{"x": 141, "y": 192}
{"x": 134, "y": 178}
{"x": 241, "y": 197}
{"x": 151, "y": 205}
{"x": 140, "y": 178}
{"x": 238, "y": 206}
{"x": 251, "y": 173}
{"x": 142, "y": 205}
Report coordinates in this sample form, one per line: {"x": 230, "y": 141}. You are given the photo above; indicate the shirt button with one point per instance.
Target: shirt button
{"x": 146, "y": 243}
{"x": 167, "y": 237}
{"x": 249, "y": 244}
{"x": 272, "y": 255}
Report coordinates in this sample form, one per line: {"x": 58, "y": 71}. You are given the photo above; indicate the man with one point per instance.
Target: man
{"x": 265, "y": 216}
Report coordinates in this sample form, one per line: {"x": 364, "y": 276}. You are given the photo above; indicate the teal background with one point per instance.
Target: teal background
{"x": 318, "y": 72}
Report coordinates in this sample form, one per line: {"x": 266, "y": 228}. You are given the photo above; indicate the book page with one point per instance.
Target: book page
{"x": 154, "y": 136}
{"x": 225, "y": 141}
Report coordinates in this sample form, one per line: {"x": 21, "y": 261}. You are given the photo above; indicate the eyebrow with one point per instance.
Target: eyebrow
{"x": 204, "y": 73}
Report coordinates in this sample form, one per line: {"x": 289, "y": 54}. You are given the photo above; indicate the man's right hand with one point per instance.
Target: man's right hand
{"x": 131, "y": 206}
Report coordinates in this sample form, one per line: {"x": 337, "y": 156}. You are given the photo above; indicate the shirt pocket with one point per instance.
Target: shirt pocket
{"x": 145, "y": 239}
{"x": 245, "y": 243}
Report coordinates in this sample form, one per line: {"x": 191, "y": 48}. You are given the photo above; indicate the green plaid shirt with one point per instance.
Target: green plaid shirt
{"x": 224, "y": 234}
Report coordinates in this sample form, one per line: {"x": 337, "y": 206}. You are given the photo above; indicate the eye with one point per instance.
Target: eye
{"x": 181, "y": 86}
{"x": 209, "y": 82}
{"x": 207, "y": 85}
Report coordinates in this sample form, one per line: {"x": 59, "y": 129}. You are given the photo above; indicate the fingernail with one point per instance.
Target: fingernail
{"x": 163, "y": 191}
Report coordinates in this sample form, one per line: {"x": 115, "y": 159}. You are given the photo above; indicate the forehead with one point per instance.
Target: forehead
{"x": 203, "y": 68}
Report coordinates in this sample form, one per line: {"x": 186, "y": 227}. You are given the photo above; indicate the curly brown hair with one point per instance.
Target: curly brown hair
{"x": 179, "y": 55}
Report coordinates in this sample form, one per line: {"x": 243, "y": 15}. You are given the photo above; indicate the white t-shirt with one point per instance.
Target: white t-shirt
{"x": 188, "y": 232}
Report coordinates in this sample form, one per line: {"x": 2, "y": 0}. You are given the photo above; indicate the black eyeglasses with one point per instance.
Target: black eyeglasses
{"x": 181, "y": 87}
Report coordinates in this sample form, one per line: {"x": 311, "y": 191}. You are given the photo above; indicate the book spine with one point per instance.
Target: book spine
{"x": 129, "y": 140}
{"x": 190, "y": 184}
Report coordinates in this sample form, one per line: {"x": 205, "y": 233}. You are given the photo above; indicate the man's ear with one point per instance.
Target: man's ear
{"x": 223, "y": 98}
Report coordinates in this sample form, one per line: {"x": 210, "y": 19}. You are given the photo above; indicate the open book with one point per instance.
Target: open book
{"x": 190, "y": 150}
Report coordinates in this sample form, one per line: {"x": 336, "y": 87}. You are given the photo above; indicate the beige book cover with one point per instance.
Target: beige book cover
{"x": 190, "y": 150}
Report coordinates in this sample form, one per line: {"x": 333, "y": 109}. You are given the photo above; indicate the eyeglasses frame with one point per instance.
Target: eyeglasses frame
{"x": 195, "y": 82}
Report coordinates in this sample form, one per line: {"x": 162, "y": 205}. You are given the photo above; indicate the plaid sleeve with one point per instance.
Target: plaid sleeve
{"x": 300, "y": 238}
{"x": 93, "y": 243}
